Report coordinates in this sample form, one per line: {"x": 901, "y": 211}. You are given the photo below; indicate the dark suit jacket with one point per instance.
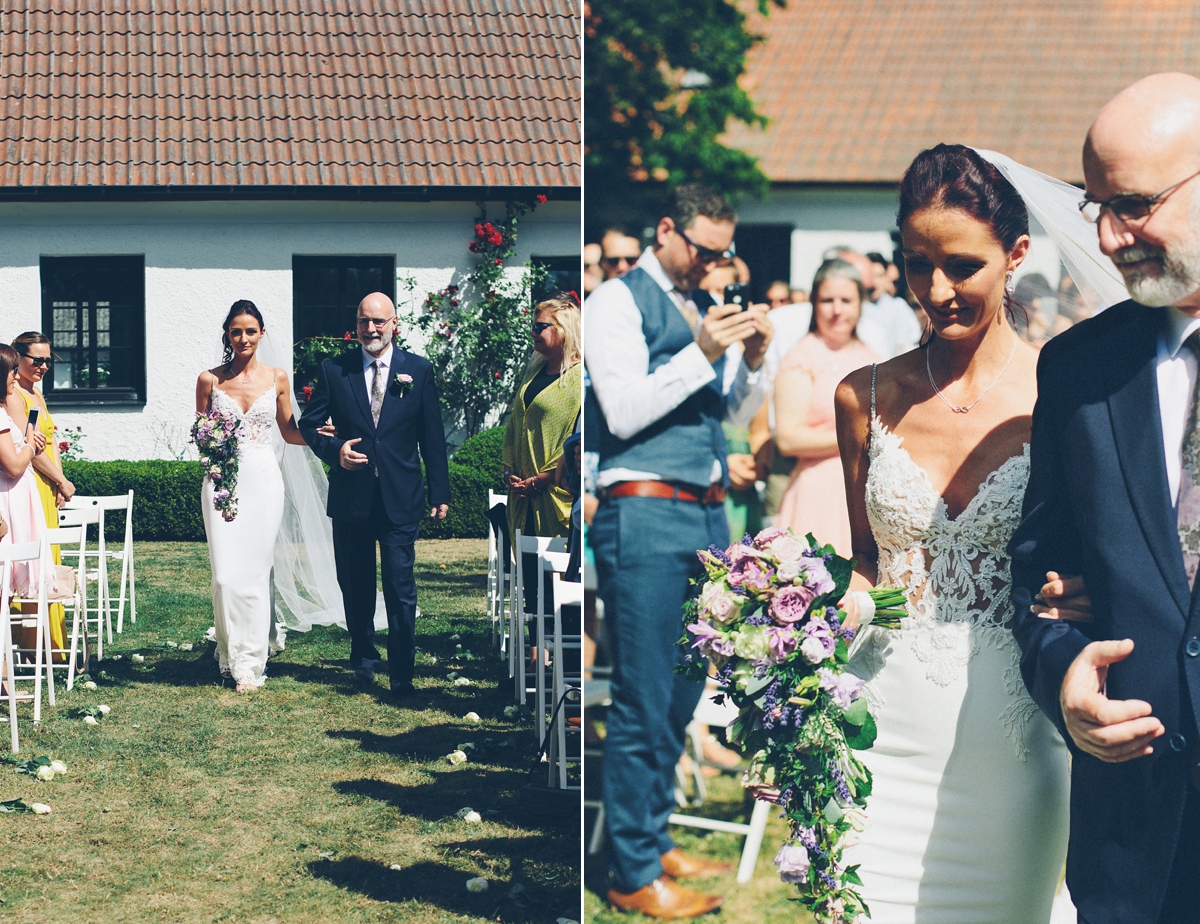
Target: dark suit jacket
{"x": 409, "y": 422}
{"x": 1098, "y": 505}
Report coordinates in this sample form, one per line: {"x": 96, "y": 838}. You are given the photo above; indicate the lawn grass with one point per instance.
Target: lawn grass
{"x": 193, "y": 803}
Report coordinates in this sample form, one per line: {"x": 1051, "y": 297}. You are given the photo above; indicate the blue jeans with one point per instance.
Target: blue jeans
{"x": 645, "y": 552}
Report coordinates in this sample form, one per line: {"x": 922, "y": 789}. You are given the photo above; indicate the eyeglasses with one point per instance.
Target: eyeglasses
{"x": 37, "y": 360}
{"x": 366, "y": 323}
{"x": 539, "y": 326}
{"x": 707, "y": 255}
{"x": 614, "y": 262}
{"x": 1129, "y": 208}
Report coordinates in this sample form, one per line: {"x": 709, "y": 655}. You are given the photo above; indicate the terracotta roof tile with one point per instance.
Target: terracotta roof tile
{"x": 290, "y": 92}
{"x": 855, "y": 88}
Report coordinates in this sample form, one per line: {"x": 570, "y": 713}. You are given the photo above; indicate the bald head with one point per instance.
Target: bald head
{"x": 1143, "y": 145}
{"x": 376, "y": 322}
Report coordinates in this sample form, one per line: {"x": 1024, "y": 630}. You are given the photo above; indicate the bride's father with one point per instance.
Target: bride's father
{"x": 384, "y": 406}
{"x": 1114, "y": 494}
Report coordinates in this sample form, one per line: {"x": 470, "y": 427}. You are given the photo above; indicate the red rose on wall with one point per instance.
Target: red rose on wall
{"x": 307, "y": 391}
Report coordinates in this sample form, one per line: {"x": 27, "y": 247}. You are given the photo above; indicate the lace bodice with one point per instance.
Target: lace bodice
{"x": 257, "y": 422}
{"x": 955, "y": 568}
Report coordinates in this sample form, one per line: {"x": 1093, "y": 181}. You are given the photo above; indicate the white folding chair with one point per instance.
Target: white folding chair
{"x": 73, "y": 597}
{"x": 92, "y": 615}
{"x": 518, "y": 618}
{"x": 26, "y": 555}
{"x": 104, "y": 555}
{"x": 565, "y": 687}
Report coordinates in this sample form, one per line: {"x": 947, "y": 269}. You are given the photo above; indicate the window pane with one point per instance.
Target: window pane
{"x": 326, "y": 291}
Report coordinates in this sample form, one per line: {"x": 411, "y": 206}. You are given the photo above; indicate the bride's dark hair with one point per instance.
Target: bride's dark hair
{"x": 953, "y": 176}
{"x": 240, "y": 307}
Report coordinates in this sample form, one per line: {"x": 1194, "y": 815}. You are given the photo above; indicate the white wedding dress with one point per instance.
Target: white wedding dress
{"x": 242, "y": 550}
{"x": 968, "y": 818}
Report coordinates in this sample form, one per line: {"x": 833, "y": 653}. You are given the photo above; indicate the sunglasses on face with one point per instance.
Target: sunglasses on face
{"x": 38, "y": 360}
{"x": 614, "y": 262}
{"x": 707, "y": 255}
{"x": 1129, "y": 208}
{"x": 539, "y": 326}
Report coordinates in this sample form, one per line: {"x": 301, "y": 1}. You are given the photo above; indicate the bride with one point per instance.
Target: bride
{"x": 967, "y": 820}
{"x": 242, "y": 550}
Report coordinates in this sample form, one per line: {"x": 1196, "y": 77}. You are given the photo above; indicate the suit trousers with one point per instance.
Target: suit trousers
{"x": 1182, "y": 902}
{"x": 354, "y": 542}
{"x": 645, "y": 550}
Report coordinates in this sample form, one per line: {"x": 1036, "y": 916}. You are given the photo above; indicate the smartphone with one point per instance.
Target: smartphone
{"x": 738, "y": 294}
{"x": 33, "y": 417}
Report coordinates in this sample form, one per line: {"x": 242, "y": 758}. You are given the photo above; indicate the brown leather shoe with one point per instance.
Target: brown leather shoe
{"x": 678, "y": 865}
{"x": 664, "y": 899}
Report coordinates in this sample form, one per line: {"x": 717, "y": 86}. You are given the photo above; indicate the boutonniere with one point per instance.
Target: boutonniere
{"x": 403, "y": 382}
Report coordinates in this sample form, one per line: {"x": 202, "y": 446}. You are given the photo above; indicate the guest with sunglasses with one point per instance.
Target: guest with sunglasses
{"x": 54, "y": 488}
{"x": 543, "y": 415}
{"x": 619, "y": 252}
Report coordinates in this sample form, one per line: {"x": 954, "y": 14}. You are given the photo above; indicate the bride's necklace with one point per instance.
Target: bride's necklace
{"x": 962, "y": 409}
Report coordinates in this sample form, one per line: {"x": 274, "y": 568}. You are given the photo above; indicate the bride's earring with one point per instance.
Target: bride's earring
{"x": 1009, "y": 288}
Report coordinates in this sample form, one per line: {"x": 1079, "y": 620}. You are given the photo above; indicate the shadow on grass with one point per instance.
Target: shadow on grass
{"x": 433, "y": 742}
{"x": 431, "y": 581}
{"x": 439, "y": 800}
{"x": 445, "y": 887}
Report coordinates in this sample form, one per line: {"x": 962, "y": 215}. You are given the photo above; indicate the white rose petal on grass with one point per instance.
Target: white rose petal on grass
{"x": 472, "y": 817}
{"x": 472, "y": 717}
{"x": 566, "y": 921}
{"x": 90, "y": 720}
{"x": 453, "y": 675}
{"x": 478, "y": 884}
{"x": 461, "y": 682}
{"x": 396, "y": 866}
{"x": 89, "y": 685}
{"x": 172, "y": 644}
{"x": 137, "y": 658}
{"x": 45, "y": 773}
{"x": 456, "y": 637}
{"x": 433, "y": 659}
{"x": 186, "y": 646}
{"x": 457, "y": 757}
{"x": 40, "y": 808}
{"x": 58, "y": 766}
{"x": 115, "y": 657}
{"x": 511, "y": 712}
{"x": 104, "y": 710}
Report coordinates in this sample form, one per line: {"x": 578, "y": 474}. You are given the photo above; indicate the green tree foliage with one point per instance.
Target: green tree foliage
{"x": 660, "y": 85}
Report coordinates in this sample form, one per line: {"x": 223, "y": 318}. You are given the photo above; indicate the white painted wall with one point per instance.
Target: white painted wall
{"x": 200, "y": 257}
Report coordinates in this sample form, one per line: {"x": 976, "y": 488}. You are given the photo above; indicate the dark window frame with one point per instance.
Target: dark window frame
{"x": 133, "y": 285}
{"x": 569, "y": 266}
{"x": 340, "y": 262}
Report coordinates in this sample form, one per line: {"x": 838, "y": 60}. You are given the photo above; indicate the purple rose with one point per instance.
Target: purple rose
{"x": 819, "y": 642}
{"x": 816, "y": 577}
{"x": 765, "y": 537}
{"x": 789, "y": 605}
{"x": 844, "y": 688}
{"x": 793, "y": 863}
{"x": 708, "y": 640}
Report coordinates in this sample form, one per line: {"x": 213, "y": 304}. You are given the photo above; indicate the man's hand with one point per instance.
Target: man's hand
{"x": 742, "y": 471}
{"x": 590, "y": 505}
{"x": 350, "y": 460}
{"x": 724, "y": 325}
{"x": 439, "y": 512}
{"x": 1064, "y": 598}
{"x": 1114, "y": 730}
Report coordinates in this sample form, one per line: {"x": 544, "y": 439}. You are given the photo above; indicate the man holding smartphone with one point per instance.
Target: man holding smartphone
{"x": 655, "y": 350}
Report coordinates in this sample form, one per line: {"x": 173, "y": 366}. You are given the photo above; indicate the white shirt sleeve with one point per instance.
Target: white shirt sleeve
{"x": 618, "y": 360}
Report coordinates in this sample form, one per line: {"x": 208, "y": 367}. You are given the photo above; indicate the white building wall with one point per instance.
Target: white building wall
{"x": 200, "y": 257}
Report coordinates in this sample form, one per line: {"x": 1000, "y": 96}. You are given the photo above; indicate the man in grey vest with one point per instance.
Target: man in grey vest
{"x": 656, "y": 349}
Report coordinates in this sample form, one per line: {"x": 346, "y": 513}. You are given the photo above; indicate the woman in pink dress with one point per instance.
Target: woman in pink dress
{"x": 815, "y": 500}
{"x": 20, "y": 503}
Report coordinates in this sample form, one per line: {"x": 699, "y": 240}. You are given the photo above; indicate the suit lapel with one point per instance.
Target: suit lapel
{"x": 1137, "y": 432}
{"x": 357, "y": 381}
{"x": 391, "y": 393}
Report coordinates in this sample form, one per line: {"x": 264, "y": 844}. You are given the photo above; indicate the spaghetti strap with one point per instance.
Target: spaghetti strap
{"x": 874, "y": 367}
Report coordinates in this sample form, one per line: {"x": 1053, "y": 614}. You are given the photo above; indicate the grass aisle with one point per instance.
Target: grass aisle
{"x": 190, "y": 802}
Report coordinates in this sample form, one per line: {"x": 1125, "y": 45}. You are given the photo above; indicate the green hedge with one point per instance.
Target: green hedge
{"x": 484, "y": 453}
{"x": 166, "y": 499}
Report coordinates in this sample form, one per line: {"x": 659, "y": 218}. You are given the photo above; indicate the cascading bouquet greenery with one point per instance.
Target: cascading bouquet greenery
{"x": 216, "y": 437}
{"x": 767, "y": 619}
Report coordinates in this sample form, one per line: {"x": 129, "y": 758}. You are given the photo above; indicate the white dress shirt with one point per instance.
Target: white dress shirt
{"x": 618, "y": 361}
{"x": 369, "y": 374}
{"x": 1177, "y": 369}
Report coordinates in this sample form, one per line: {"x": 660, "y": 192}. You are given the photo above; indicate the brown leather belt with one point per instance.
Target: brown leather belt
{"x": 715, "y": 494}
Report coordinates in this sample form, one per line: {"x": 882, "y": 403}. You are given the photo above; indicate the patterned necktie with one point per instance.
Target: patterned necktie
{"x": 1188, "y": 516}
{"x": 377, "y": 391}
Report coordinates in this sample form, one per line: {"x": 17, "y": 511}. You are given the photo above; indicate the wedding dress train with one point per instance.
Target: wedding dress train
{"x": 967, "y": 821}
{"x": 242, "y": 550}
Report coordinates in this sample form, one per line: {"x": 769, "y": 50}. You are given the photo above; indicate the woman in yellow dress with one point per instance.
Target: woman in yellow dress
{"x": 54, "y": 488}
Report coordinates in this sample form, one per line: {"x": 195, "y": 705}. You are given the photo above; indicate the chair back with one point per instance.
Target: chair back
{"x": 24, "y": 551}
{"x": 73, "y": 534}
{"x": 78, "y": 516}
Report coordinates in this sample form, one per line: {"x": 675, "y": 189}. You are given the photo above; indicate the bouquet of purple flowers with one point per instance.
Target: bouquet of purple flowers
{"x": 767, "y": 619}
{"x": 216, "y": 436}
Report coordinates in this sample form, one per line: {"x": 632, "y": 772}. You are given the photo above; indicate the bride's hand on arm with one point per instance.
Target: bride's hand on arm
{"x": 1063, "y": 596}
{"x": 852, "y": 409}
{"x": 283, "y": 411}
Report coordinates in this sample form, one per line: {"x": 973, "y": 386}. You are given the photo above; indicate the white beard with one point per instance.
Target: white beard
{"x": 375, "y": 347}
{"x": 1170, "y": 275}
